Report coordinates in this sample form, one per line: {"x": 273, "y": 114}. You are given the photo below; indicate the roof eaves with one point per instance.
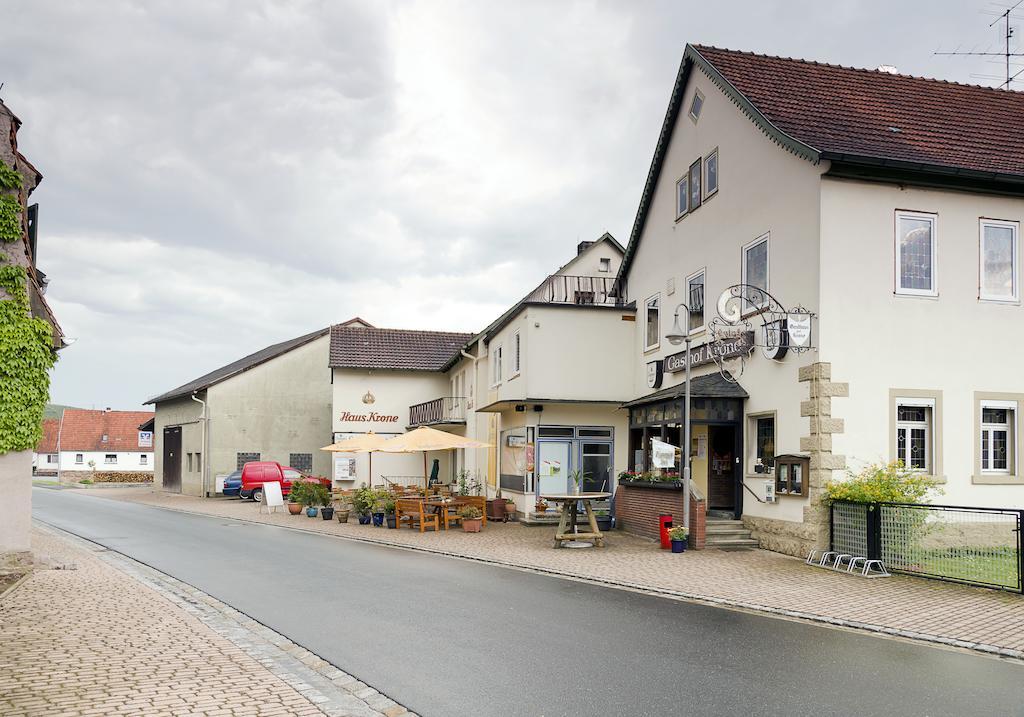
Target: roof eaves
{"x": 691, "y": 56}
{"x": 187, "y": 389}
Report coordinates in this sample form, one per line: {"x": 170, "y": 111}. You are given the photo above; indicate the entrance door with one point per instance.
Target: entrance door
{"x": 596, "y": 459}
{"x": 554, "y": 462}
{"x": 722, "y": 468}
{"x": 172, "y": 459}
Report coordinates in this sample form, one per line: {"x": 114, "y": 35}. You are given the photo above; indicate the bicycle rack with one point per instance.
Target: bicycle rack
{"x": 849, "y": 564}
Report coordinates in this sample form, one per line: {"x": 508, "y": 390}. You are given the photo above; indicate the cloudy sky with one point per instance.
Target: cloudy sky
{"x": 220, "y": 176}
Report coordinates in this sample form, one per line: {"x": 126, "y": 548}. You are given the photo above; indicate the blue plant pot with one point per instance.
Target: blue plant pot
{"x": 311, "y": 512}
{"x": 378, "y": 519}
{"x": 364, "y": 520}
{"x": 678, "y": 546}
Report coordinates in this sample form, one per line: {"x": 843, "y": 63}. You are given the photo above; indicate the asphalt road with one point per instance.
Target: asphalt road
{"x": 449, "y": 637}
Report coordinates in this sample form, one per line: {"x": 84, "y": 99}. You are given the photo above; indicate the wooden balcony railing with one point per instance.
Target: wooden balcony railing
{"x": 449, "y": 409}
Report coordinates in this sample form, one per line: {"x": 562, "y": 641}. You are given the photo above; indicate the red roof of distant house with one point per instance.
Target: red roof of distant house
{"x": 48, "y": 443}
{"x": 85, "y": 430}
{"x": 874, "y": 114}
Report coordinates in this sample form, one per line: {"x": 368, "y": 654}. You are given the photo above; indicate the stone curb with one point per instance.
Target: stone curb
{"x": 334, "y": 692}
{"x": 987, "y": 649}
{"x": 17, "y": 583}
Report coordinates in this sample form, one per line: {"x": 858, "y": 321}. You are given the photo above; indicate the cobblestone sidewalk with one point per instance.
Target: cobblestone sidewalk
{"x": 915, "y": 608}
{"x": 95, "y": 633}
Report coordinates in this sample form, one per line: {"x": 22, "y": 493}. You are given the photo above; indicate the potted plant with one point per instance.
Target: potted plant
{"x": 362, "y": 503}
{"x": 510, "y": 509}
{"x": 679, "y": 537}
{"x": 389, "y": 511}
{"x": 311, "y": 494}
{"x": 604, "y": 520}
{"x": 541, "y": 505}
{"x": 294, "y": 506}
{"x": 472, "y": 519}
{"x": 341, "y": 511}
{"x": 379, "y": 497}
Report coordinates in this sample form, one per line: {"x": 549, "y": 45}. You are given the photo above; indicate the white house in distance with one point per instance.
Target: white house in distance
{"x": 82, "y": 441}
{"x": 889, "y": 207}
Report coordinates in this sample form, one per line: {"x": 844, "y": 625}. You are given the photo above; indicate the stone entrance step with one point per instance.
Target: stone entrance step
{"x": 728, "y": 534}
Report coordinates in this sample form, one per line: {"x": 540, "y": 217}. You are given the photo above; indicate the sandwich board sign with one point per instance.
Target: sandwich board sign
{"x": 272, "y": 497}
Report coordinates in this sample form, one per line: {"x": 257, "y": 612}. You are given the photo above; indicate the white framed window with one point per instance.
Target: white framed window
{"x": 51, "y": 458}
{"x": 711, "y": 173}
{"x": 110, "y": 458}
{"x": 915, "y": 421}
{"x": 652, "y": 322}
{"x": 695, "y": 300}
{"x": 496, "y": 352}
{"x": 516, "y": 352}
{"x": 696, "y": 105}
{"x": 916, "y": 244}
{"x": 998, "y": 266}
{"x": 695, "y": 181}
{"x": 998, "y": 436}
{"x": 682, "y": 196}
{"x": 605, "y": 264}
{"x": 755, "y": 270}
{"x": 79, "y": 458}
{"x": 143, "y": 459}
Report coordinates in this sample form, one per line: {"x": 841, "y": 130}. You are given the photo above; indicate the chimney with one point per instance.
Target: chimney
{"x": 583, "y": 246}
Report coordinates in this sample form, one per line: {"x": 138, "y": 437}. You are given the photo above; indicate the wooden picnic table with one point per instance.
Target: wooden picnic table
{"x": 567, "y": 525}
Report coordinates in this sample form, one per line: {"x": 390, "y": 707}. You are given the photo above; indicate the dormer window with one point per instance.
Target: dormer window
{"x": 696, "y": 105}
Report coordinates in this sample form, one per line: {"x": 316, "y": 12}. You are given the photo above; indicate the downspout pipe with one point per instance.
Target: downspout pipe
{"x": 202, "y": 442}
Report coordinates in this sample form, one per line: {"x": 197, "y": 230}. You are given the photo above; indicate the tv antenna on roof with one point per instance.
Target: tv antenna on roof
{"x": 1004, "y": 16}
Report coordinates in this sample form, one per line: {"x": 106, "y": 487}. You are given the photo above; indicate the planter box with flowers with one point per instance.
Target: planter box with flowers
{"x": 472, "y": 519}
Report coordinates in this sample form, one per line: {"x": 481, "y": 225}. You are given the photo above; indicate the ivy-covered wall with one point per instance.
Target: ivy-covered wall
{"x": 26, "y": 343}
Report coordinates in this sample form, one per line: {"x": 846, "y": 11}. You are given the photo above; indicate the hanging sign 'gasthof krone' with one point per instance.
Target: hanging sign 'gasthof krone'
{"x": 655, "y": 374}
{"x": 798, "y": 326}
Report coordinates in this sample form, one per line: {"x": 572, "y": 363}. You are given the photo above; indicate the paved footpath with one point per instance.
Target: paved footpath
{"x": 92, "y": 632}
{"x": 956, "y": 615}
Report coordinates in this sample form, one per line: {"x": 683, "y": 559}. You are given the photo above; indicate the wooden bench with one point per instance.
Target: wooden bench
{"x": 412, "y": 511}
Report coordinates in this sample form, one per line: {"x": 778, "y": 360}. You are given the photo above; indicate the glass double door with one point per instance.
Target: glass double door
{"x": 557, "y": 459}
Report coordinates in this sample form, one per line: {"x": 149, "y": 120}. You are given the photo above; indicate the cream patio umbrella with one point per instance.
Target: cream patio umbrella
{"x": 428, "y": 439}
{"x": 366, "y": 443}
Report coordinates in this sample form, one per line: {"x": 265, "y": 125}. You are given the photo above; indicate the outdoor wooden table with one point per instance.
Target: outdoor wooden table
{"x": 442, "y": 506}
{"x": 567, "y": 525}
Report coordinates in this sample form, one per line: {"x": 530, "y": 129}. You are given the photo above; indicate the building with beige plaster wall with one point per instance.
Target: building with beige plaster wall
{"x": 273, "y": 405}
{"x": 896, "y": 226}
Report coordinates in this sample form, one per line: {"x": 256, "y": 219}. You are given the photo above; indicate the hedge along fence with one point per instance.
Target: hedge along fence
{"x": 110, "y": 476}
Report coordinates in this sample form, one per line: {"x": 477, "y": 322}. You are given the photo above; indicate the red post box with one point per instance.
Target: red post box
{"x": 664, "y": 523}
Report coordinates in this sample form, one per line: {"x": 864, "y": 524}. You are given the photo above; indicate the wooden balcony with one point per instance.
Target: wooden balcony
{"x": 449, "y": 410}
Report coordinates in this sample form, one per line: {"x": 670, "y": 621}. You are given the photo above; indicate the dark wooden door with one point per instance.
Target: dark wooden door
{"x": 721, "y": 471}
{"x": 172, "y": 459}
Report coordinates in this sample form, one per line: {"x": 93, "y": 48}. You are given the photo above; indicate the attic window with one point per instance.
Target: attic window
{"x": 696, "y": 105}
{"x": 606, "y": 264}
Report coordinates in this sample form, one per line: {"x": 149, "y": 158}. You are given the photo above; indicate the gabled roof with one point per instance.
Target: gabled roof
{"x": 868, "y": 123}
{"x": 237, "y": 367}
{"x": 48, "y": 443}
{"x": 85, "y": 430}
{"x": 393, "y": 349}
{"x": 502, "y": 321}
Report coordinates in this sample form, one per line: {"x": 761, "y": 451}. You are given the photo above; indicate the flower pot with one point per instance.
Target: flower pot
{"x": 341, "y": 515}
{"x": 378, "y": 519}
{"x": 604, "y": 522}
{"x": 472, "y": 525}
{"x": 294, "y": 508}
{"x": 510, "y": 510}
{"x": 678, "y": 546}
{"x": 541, "y": 507}
{"x": 496, "y": 509}
{"x": 311, "y": 512}
{"x": 391, "y": 520}
{"x": 327, "y": 512}
{"x": 364, "y": 519}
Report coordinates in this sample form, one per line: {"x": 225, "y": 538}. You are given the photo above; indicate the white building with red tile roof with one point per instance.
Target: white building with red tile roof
{"x": 96, "y": 440}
